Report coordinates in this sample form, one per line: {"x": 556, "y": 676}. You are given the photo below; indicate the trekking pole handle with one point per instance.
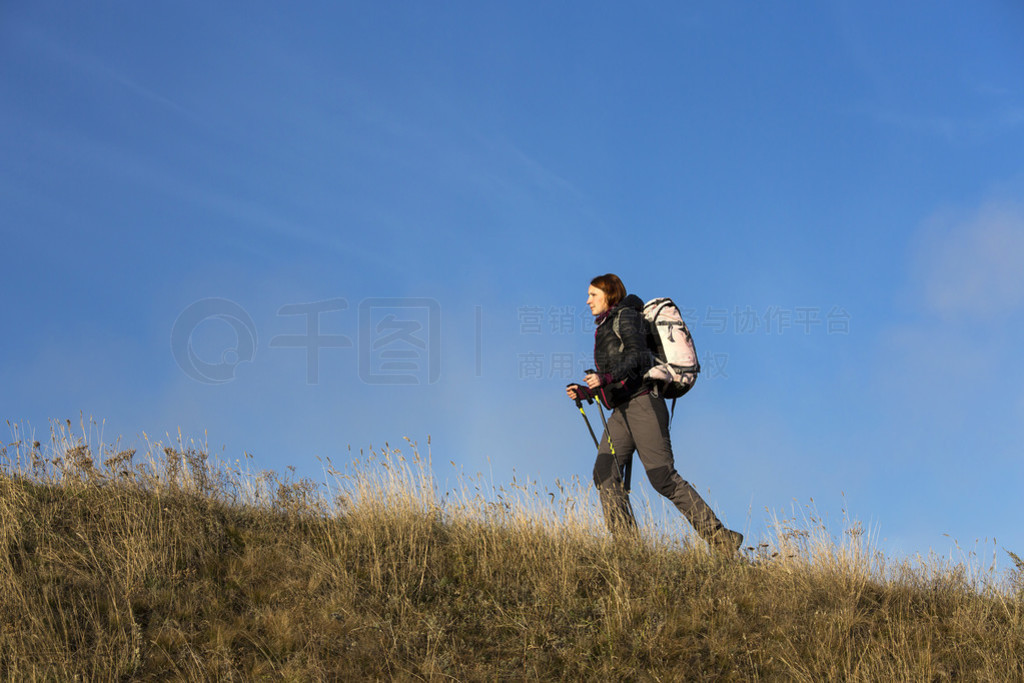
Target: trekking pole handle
{"x": 579, "y": 401}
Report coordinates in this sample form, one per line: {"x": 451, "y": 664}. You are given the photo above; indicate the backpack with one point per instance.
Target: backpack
{"x": 675, "y": 358}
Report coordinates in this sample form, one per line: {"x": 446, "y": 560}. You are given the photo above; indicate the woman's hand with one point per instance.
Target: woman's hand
{"x": 578, "y": 392}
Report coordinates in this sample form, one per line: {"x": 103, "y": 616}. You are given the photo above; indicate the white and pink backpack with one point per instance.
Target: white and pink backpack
{"x": 675, "y": 358}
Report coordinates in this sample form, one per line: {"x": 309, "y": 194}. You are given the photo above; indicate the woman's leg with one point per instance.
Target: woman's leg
{"x": 648, "y": 421}
{"x": 618, "y": 513}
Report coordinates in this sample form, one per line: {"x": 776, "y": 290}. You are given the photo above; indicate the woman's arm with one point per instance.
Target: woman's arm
{"x": 632, "y": 361}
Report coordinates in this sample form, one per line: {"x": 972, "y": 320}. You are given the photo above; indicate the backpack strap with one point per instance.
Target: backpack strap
{"x": 615, "y": 329}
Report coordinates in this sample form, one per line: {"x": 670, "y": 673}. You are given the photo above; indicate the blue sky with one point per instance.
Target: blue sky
{"x": 832, "y": 192}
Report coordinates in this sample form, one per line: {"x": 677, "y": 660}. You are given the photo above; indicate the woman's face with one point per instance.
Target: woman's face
{"x": 597, "y": 300}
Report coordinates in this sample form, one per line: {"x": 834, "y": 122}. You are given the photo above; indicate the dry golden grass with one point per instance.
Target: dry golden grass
{"x": 168, "y": 566}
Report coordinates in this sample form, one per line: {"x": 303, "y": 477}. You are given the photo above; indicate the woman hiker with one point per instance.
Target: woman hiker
{"x": 639, "y": 421}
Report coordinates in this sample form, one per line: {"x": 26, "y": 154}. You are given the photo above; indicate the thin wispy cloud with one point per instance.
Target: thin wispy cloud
{"x": 93, "y": 68}
{"x": 974, "y": 265}
{"x": 950, "y": 128}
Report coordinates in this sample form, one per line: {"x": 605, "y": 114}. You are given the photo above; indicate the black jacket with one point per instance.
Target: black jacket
{"x": 621, "y": 355}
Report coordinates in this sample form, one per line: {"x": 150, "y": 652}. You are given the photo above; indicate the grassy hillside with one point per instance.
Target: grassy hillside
{"x": 117, "y": 566}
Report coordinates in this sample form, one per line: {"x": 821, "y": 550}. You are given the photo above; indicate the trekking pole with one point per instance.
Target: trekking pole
{"x": 579, "y": 404}
{"x": 626, "y": 469}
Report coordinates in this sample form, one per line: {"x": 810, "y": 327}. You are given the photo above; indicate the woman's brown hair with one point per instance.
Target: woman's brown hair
{"x": 612, "y": 286}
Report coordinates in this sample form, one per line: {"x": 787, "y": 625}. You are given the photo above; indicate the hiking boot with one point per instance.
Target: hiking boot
{"x": 727, "y": 542}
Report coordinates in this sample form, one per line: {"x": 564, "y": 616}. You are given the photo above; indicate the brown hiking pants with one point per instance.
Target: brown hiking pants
{"x": 641, "y": 426}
